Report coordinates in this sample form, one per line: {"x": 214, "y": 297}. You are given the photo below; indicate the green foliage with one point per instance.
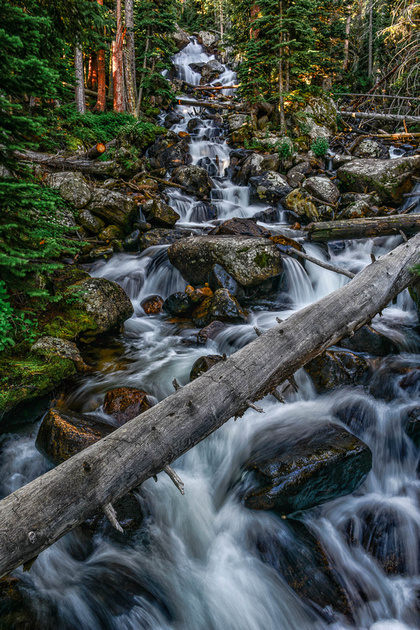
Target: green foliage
{"x": 140, "y": 134}
{"x": 284, "y": 149}
{"x": 320, "y": 147}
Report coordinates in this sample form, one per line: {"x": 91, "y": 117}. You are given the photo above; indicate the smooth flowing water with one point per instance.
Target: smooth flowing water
{"x": 193, "y": 564}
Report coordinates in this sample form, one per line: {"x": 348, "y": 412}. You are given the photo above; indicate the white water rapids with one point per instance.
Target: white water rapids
{"x": 193, "y": 564}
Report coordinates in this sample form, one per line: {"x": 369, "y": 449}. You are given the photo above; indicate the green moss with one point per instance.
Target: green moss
{"x": 70, "y": 324}
{"x": 27, "y": 378}
{"x": 262, "y": 260}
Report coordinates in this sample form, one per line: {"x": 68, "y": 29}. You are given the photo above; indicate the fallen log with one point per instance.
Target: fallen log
{"x": 35, "y": 516}
{"x": 386, "y": 117}
{"x": 363, "y": 228}
{"x": 211, "y": 88}
{"x": 211, "y": 104}
{"x": 96, "y": 151}
{"x": 73, "y": 163}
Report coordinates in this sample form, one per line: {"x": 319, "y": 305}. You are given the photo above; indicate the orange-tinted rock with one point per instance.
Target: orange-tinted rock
{"x": 125, "y": 403}
{"x": 285, "y": 242}
{"x": 221, "y": 306}
{"x": 210, "y": 331}
{"x": 183, "y": 134}
{"x": 152, "y": 305}
{"x": 200, "y": 294}
{"x": 64, "y": 433}
{"x": 203, "y": 364}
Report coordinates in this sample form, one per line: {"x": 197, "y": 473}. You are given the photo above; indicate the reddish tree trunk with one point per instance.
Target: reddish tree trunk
{"x": 92, "y": 81}
{"x": 101, "y": 102}
{"x": 117, "y": 63}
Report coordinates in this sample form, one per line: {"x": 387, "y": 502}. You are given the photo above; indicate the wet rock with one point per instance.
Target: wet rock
{"x": 286, "y": 244}
{"x": 271, "y": 215}
{"x": 220, "y": 279}
{"x": 113, "y": 207}
{"x": 251, "y": 167}
{"x": 369, "y": 148}
{"x": 412, "y": 426}
{"x": 173, "y": 119}
{"x": 193, "y": 124}
{"x": 195, "y": 179}
{"x": 210, "y": 331}
{"x": 297, "y": 174}
{"x": 169, "y": 151}
{"x": 369, "y": 340}
{"x": 63, "y": 433}
{"x": 298, "y": 473}
{"x": 207, "y": 39}
{"x": 222, "y": 306}
{"x": 72, "y": 187}
{"x": 101, "y": 252}
{"x": 236, "y": 121}
{"x": 248, "y": 260}
{"x": 152, "y": 305}
{"x": 270, "y": 187}
{"x": 336, "y": 368}
{"x": 389, "y": 178}
{"x": 357, "y": 210}
{"x": 298, "y": 556}
{"x": 95, "y": 306}
{"x": 131, "y": 242}
{"x": 160, "y": 214}
{"x": 203, "y": 364}
{"x": 90, "y": 222}
{"x": 300, "y": 202}
{"x": 322, "y": 188}
{"x": 49, "y": 347}
{"x": 203, "y": 211}
{"x": 211, "y": 71}
{"x": 125, "y": 403}
{"x": 178, "y": 304}
{"x": 160, "y": 236}
{"x": 240, "y": 226}
{"x": 180, "y": 37}
{"x": 111, "y": 233}
{"x": 199, "y": 294}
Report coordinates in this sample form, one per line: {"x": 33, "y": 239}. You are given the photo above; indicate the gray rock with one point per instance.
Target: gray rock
{"x": 248, "y": 260}
{"x": 236, "y": 121}
{"x": 221, "y": 306}
{"x": 194, "y": 178}
{"x": 389, "y": 178}
{"x": 160, "y": 214}
{"x": 270, "y": 187}
{"x": 322, "y": 188}
{"x": 297, "y": 174}
{"x": 113, "y": 207}
{"x": 48, "y": 347}
{"x": 211, "y": 71}
{"x": 71, "y": 186}
{"x": 207, "y": 39}
{"x": 180, "y": 37}
{"x": 160, "y": 236}
{"x": 369, "y": 148}
{"x": 251, "y": 167}
{"x": 90, "y": 222}
{"x": 300, "y": 202}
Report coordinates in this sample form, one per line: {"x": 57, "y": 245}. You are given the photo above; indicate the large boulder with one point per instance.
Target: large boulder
{"x": 270, "y": 187}
{"x": 94, "y": 306}
{"x": 335, "y": 368}
{"x": 300, "y": 202}
{"x": 125, "y": 403}
{"x": 370, "y": 148}
{"x": 297, "y": 174}
{"x": 203, "y": 364}
{"x": 248, "y": 260}
{"x": 322, "y": 188}
{"x": 371, "y": 341}
{"x": 297, "y": 473}
{"x": 113, "y": 207}
{"x": 390, "y": 179}
{"x": 195, "y": 179}
{"x": 241, "y": 226}
{"x": 211, "y": 71}
{"x": 251, "y": 166}
{"x": 236, "y": 121}
{"x": 318, "y": 119}
{"x": 51, "y": 347}
{"x": 160, "y": 214}
{"x": 222, "y": 307}
{"x": 180, "y": 37}
{"x": 169, "y": 151}
{"x": 160, "y": 236}
{"x": 91, "y": 223}
{"x": 207, "y": 39}
{"x": 72, "y": 187}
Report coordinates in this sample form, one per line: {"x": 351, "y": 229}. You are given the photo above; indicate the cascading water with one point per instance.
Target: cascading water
{"x": 193, "y": 564}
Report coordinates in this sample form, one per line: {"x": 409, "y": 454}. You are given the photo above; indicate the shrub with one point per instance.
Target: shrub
{"x": 320, "y": 147}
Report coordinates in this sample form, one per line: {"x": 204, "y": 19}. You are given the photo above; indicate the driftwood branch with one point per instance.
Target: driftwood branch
{"x": 211, "y": 104}
{"x": 72, "y": 163}
{"x": 386, "y": 117}
{"x": 35, "y": 516}
{"x": 323, "y": 264}
{"x": 363, "y": 228}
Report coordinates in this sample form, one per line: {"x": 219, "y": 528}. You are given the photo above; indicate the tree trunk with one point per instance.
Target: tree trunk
{"x": 364, "y": 228}
{"x": 211, "y": 104}
{"x": 93, "y": 72}
{"x": 130, "y": 46}
{"x": 281, "y": 86}
{"x": 130, "y": 95}
{"x": 387, "y": 117}
{"x": 101, "y": 101}
{"x": 346, "y": 43}
{"x": 80, "y": 85}
{"x": 74, "y": 163}
{"x": 35, "y": 516}
{"x": 370, "y": 46}
{"x": 146, "y": 50}
{"x": 117, "y": 63}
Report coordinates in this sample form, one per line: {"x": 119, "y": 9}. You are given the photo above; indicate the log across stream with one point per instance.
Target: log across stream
{"x": 203, "y": 560}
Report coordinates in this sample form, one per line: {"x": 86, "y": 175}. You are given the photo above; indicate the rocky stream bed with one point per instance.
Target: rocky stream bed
{"x": 306, "y": 516}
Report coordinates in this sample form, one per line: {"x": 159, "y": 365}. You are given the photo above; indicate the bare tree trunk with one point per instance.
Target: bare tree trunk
{"x": 364, "y": 228}
{"x": 287, "y": 86}
{"x": 370, "y": 51}
{"x": 80, "y": 85}
{"x": 221, "y": 18}
{"x": 346, "y": 43}
{"x": 281, "y": 86}
{"x": 117, "y": 63}
{"x": 111, "y": 72}
{"x": 35, "y": 516}
{"x": 131, "y": 49}
{"x": 101, "y": 101}
{"x": 146, "y": 50}
{"x": 130, "y": 95}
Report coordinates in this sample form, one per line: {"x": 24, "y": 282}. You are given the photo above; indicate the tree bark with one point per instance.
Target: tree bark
{"x": 387, "y": 117}
{"x": 73, "y": 163}
{"x": 141, "y": 90}
{"x": 101, "y": 102}
{"x": 35, "y": 516}
{"x": 211, "y": 104}
{"x": 131, "y": 49}
{"x": 281, "y": 86}
{"x": 95, "y": 151}
{"x": 117, "y": 63}
{"x": 364, "y": 228}
{"x": 80, "y": 85}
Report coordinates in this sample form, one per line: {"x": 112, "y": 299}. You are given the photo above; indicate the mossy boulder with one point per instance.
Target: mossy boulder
{"x": 160, "y": 214}
{"x": 28, "y": 378}
{"x": 194, "y": 179}
{"x": 111, "y": 233}
{"x": 322, "y": 188}
{"x": 94, "y": 306}
{"x": 249, "y": 260}
{"x": 72, "y": 187}
{"x": 390, "y": 179}
{"x": 53, "y": 347}
{"x": 270, "y": 187}
{"x": 300, "y": 202}
{"x": 114, "y": 208}
{"x": 91, "y": 223}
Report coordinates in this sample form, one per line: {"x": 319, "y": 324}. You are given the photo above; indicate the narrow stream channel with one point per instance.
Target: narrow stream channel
{"x": 193, "y": 563}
